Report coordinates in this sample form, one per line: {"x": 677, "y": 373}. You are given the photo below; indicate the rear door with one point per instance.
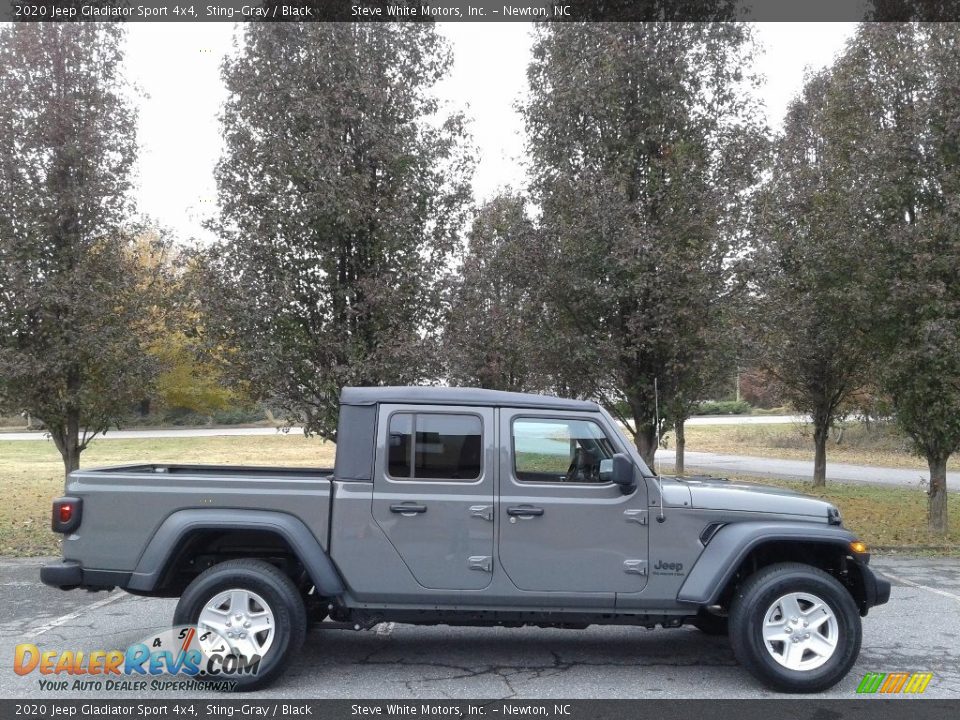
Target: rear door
{"x": 564, "y": 527}
{"x": 433, "y": 492}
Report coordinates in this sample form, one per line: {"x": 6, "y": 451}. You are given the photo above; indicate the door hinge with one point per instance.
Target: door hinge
{"x": 484, "y": 563}
{"x": 635, "y": 567}
{"x": 482, "y": 511}
{"x": 636, "y": 516}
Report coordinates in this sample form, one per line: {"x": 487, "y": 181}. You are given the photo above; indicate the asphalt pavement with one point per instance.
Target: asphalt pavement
{"x": 917, "y": 631}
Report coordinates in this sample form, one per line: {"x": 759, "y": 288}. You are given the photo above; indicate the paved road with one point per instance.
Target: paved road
{"x": 218, "y": 432}
{"x": 711, "y": 463}
{"x": 919, "y": 630}
{"x": 802, "y": 469}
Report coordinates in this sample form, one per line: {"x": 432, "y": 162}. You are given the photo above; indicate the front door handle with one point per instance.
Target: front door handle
{"x": 524, "y": 511}
{"x": 408, "y": 509}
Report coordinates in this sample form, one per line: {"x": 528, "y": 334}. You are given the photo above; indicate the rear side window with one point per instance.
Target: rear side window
{"x": 434, "y": 446}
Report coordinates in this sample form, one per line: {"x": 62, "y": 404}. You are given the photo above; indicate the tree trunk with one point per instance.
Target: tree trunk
{"x": 646, "y": 442}
{"x": 821, "y": 432}
{"x": 937, "y": 495}
{"x": 67, "y": 440}
{"x": 681, "y": 447}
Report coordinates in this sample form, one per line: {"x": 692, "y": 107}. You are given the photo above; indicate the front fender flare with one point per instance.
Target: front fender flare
{"x": 171, "y": 533}
{"x": 732, "y": 543}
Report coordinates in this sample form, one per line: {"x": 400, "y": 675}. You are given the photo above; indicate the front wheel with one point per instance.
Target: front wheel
{"x": 254, "y": 609}
{"x": 795, "y": 628}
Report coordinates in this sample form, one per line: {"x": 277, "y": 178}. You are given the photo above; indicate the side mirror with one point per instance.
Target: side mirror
{"x": 623, "y": 473}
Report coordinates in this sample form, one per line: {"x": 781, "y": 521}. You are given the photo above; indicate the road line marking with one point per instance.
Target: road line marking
{"x": 64, "y": 619}
{"x": 911, "y": 583}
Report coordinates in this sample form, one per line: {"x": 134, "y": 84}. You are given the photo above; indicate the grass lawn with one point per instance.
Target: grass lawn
{"x": 31, "y": 475}
{"x": 877, "y": 445}
{"x": 883, "y": 517}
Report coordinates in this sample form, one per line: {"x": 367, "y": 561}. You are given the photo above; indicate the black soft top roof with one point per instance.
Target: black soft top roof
{"x": 421, "y": 395}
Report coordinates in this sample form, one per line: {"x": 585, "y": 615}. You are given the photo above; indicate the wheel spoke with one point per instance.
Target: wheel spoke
{"x": 792, "y": 654}
{"x": 259, "y": 623}
{"x": 246, "y": 646}
{"x": 239, "y": 601}
{"x": 817, "y": 621}
{"x": 775, "y": 632}
{"x": 212, "y": 618}
{"x": 820, "y": 645}
{"x": 790, "y": 607}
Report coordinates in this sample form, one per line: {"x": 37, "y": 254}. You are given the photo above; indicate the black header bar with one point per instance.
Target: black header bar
{"x": 477, "y": 10}
{"x": 227, "y": 706}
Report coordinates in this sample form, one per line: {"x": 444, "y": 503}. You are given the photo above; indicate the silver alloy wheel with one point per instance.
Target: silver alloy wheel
{"x": 800, "y": 631}
{"x": 242, "y": 619}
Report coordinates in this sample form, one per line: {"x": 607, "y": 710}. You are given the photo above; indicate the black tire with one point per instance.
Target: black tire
{"x": 710, "y": 624}
{"x": 758, "y": 594}
{"x": 276, "y": 589}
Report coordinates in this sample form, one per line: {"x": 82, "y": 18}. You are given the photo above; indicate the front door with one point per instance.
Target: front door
{"x": 564, "y": 527}
{"x": 433, "y": 493}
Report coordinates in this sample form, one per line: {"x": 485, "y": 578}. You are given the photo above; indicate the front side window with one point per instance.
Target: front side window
{"x": 434, "y": 446}
{"x": 547, "y": 450}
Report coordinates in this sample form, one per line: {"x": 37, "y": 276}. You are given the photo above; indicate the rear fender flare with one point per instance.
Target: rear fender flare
{"x": 167, "y": 539}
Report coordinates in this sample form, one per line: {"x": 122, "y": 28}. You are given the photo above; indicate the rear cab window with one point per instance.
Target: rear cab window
{"x": 434, "y": 446}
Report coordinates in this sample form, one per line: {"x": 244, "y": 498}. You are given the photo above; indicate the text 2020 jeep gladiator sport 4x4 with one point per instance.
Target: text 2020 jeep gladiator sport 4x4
{"x": 474, "y": 507}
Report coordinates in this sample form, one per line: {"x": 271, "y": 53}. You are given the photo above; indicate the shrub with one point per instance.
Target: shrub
{"x": 724, "y": 407}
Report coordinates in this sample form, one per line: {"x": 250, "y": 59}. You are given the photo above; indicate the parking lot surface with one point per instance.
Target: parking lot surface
{"x": 918, "y": 631}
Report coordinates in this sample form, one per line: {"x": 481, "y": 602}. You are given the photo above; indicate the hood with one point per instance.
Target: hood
{"x": 720, "y": 494}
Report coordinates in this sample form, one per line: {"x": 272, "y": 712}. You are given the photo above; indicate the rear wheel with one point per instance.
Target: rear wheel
{"x": 795, "y": 628}
{"x": 254, "y": 608}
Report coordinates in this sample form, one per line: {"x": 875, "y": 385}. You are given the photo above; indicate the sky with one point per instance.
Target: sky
{"x": 176, "y": 68}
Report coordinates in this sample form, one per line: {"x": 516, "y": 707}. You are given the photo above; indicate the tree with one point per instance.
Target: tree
{"x": 643, "y": 144}
{"x": 341, "y": 196}
{"x": 908, "y": 105}
{"x": 189, "y": 373}
{"x": 71, "y": 299}
{"x": 924, "y": 375}
{"x": 809, "y": 320}
{"x": 492, "y": 322}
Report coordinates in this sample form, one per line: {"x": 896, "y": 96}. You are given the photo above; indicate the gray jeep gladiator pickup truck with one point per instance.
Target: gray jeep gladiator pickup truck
{"x": 474, "y": 507}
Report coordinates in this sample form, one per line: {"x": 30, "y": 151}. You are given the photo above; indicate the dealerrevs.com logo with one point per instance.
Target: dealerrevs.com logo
{"x": 197, "y": 657}
{"x": 894, "y": 683}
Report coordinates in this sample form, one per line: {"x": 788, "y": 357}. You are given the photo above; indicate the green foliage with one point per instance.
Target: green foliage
{"x": 74, "y": 303}
{"x": 493, "y": 331}
{"x": 808, "y": 321}
{"x": 341, "y": 194}
{"x": 643, "y": 144}
{"x": 723, "y": 407}
{"x": 909, "y": 111}
{"x": 186, "y": 380}
{"x": 857, "y": 294}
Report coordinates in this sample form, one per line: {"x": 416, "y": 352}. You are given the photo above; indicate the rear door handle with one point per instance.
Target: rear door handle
{"x": 405, "y": 509}
{"x": 524, "y": 511}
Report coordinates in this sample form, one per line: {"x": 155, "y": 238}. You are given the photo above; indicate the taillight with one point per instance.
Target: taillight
{"x": 66, "y": 514}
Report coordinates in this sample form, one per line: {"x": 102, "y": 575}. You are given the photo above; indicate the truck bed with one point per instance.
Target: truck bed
{"x": 124, "y": 506}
